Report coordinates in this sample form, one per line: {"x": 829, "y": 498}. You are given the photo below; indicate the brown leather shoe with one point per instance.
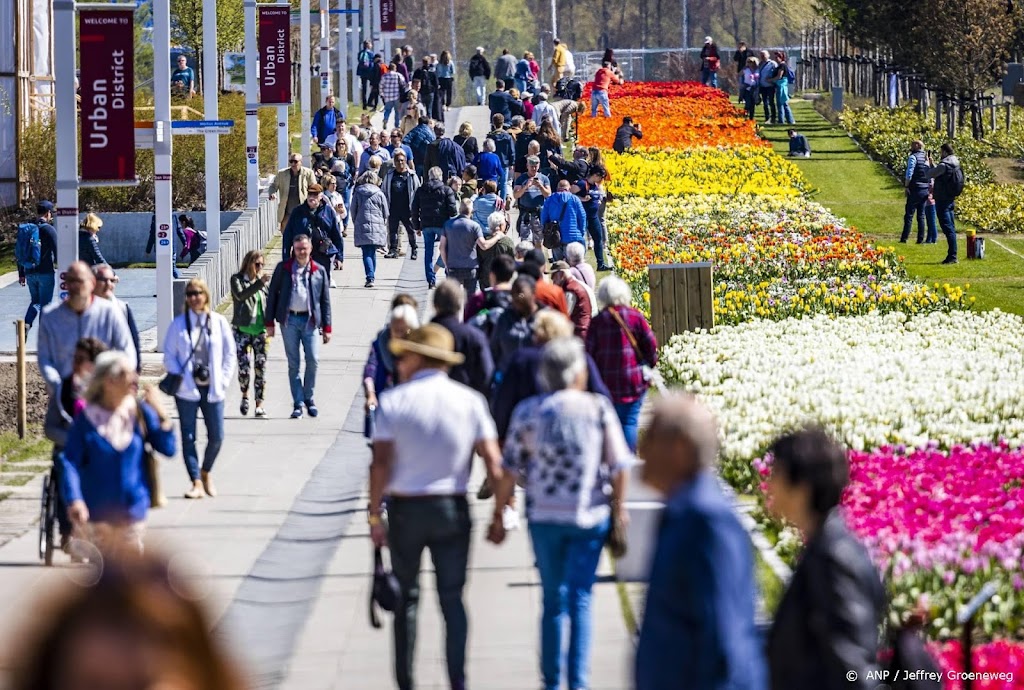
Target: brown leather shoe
{"x": 211, "y": 490}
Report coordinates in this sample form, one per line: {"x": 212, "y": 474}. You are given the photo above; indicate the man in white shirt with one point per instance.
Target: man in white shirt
{"x": 427, "y": 430}
{"x": 544, "y": 109}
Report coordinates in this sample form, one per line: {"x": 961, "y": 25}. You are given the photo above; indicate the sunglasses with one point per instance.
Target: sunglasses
{"x": 295, "y": 160}
{"x": 193, "y": 293}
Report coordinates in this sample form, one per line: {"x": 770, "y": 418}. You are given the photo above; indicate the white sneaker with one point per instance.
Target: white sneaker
{"x": 333, "y": 284}
{"x": 509, "y": 519}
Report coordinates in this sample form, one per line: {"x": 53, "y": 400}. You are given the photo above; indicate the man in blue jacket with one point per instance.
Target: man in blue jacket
{"x": 698, "y": 628}
{"x": 40, "y": 277}
{"x": 316, "y": 219}
{"x": 327, "y": 123}
{"x": 566, "y": 209}
{"x": 418, "y": 139}
{"x": 505, "y": 147}
{"x": 300, "y": 301}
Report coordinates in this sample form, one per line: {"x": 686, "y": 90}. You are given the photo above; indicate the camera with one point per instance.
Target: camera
{"x": 201, "y": 374}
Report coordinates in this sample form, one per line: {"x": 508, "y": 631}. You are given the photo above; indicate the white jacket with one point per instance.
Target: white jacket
{"x": 178, "y": 348}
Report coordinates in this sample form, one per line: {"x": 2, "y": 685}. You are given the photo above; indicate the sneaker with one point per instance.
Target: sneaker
{"x": 333, "y": 284}
{"x": 431, "y": 286}
{"x": 369, "y": 284}
{"x": 950, "y": 260}
{"x": 412, "y": 257}
{"x": 244, "y": 406}
{"x": 391, "y": 255}
{"x": 509, "y": 518}
{"x": 260, "y": 412}
{"x": 311, "y": 408}
{"x": 297, "y": 412}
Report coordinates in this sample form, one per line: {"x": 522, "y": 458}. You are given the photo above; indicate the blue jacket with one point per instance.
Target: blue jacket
{"x": 318, "y": 224}
{"x": 698, "y": 629}
{"x": 573, "y": 223}
{"x": 280, "y": 294}
{"x": 112, "y": 483}
{"x": 488, "y": 166}
{"x": 418, "y": 138}
{"x": 325, "y": 123}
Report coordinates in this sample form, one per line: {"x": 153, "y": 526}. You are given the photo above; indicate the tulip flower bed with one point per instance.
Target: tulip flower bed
{"x": 724, "y": 170}
{"x": 774, "y": 257}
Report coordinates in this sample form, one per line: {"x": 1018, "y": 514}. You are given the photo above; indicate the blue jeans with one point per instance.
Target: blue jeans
{"x": 629, "y": 417}
{"x": 40, "y": 290}
{"x": 213, "y": 417}
{"x": 708, "y": 77}
{"x": 294, "y": 333}
{"x": 389, "y": 108}
{"x": 430, "y": 238}
{"x": 782, "y": 100}
{"x": 947, "y": 222}
{"x": 596, "y": 231}
{"x": 520, "y": 85}
{"x": 916, "y": 200}
{"x": 599, "y": 98}
{"x": 503, "y": 185}
{"x": 567, "y": 558}
{"x": 932, "y": 219}
{"x": 369, "y": 260}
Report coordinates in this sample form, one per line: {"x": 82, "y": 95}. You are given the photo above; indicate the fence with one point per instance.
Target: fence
{"x": 252, "y": 230}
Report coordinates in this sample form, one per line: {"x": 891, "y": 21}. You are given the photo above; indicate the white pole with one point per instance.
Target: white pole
{"x": 162, "y": 150}
{"x": 306, "y": 97}
{"x": 283, "y": 137}
{"x": 352, "y": 20}
{"x": 375, "y": 25}
{"x": 210, "y": 107}
{"x": 67, "y": 136}
{"x": 554, "y": 18}
{"x": 252, "y": 120}
{"x": 343, "y": 92}
{"x": 367, "y": 16}
{"x": 326, "y": 83}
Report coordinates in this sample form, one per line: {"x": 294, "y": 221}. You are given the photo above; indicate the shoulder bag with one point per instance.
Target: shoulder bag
{"x": 171, "y": 383}
{"x": 649, "y": 372}
{"x": 156, "y": 496}
{"x": 552, "y": 233}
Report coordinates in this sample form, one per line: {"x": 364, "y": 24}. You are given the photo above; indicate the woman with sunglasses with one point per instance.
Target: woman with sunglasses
{"x": 249, "y": 295}
{"x": 199, "y": 348}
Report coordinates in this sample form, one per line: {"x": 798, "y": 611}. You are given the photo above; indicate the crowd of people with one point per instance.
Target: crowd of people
{"x": 763, "y": 77}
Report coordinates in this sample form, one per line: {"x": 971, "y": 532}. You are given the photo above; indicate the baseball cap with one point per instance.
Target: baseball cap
{"x": 45, "y": 206}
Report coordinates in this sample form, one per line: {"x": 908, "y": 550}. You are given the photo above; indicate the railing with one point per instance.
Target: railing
{"x": 253, "y": 230}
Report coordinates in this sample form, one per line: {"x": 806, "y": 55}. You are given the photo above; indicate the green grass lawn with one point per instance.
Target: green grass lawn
{"x": 871, "y": 199}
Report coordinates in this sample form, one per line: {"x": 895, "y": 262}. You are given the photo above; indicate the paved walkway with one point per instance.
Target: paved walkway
{"x": 283, "y": 555}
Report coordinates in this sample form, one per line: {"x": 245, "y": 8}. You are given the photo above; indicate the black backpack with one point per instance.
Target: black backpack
{"x": 956, "y": 181}
{"x": 569, "y": 87}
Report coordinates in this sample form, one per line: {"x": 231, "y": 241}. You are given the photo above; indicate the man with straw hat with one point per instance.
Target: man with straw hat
{"x": 427, "y": 431}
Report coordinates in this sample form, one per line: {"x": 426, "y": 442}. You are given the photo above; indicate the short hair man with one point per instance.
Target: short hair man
{"x": 296, "y": 179}
{"x": 427, "y": 432}
{"x": 461, "y": 238}
{"x": 577, "y": 295}
{"x": 530, "y": 190}
{"x": 299, "y": 299}
{"x": 625, "y": 135}
{"x": 183, "y": 78}
{"x": 798, "y": 145}
{"x": 106, "y": 281}
{"x": 698, "y": 628}
{"x": 328, "y": 122}
{"x": 478, "y": 368}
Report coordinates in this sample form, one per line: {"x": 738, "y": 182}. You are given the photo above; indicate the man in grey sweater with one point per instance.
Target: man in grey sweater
{"x": 81, "y": 316}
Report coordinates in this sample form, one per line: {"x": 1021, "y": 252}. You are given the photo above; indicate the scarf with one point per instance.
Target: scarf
{"x": 117, "y": 426}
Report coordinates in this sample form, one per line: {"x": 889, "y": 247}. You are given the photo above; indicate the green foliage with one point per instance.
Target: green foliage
{"x": 188, "y": 170}
{"x": 993, "y": 207}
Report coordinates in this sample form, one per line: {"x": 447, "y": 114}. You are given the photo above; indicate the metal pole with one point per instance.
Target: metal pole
{"x": 67, "y": 135}
{"x": 305, "y": 76}
{"x": 554, "y": 19}
{"x": 326, "y": 84}
{"x": 210, "y": 106}
{"x": 343, "y": 92}
{"x": 19, "y": 335}
{"x": 252, "y": 105}
{"x": 162, "y": 150}
{"x": 686, "y": 24}
{"x": 356, "y": 45}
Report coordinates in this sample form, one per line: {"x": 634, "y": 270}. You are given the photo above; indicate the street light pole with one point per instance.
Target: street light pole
{"x": 252, "y": 108}
{"x": 162, "y": 150}
{"x": 67, "y": 134}
{"x": 305, "y": 76}
{"x": 211, "y": 110}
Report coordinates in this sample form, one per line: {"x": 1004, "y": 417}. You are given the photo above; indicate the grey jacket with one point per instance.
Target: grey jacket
{"x": 370, "y": 215}
{"x": 244, "y": 295}
{"x": 60, "y": 328}
{"x": 414, "y": 184}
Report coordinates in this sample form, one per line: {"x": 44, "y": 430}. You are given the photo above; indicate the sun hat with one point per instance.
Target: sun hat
{"x": 431, "y": 341}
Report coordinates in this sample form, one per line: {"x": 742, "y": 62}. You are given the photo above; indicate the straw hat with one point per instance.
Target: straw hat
{"x": 92, "y": 223}
{"x": 431, "y": 341}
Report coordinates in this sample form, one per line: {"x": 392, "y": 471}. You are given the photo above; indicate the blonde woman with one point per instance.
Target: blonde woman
{"x": 411, "y": 114}
{"x": 105, "y": 479}
{"x": 466, "y": 140}
{"x": 249, "y": 294}
{"x": 199, "y": 348}
{"x": 88, "y": 242}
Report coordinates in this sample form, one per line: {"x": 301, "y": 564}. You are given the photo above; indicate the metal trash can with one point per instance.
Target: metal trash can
{"x": 979, "y": 248}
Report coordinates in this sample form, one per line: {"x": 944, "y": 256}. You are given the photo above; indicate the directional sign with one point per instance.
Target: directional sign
{"x": 202, "y": 126}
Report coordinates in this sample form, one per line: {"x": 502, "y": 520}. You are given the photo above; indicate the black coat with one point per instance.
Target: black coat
{"x": 280, "y": 293}
{"x": 477, "y": 370}
{"x": 433, "y": 205}
{"x": 827, "y": 623}
{"x": 428, "y": 81}
{"x": 468, "y": 144}
{"x": 479, "y": 67}
{"x": 89, "y": 249}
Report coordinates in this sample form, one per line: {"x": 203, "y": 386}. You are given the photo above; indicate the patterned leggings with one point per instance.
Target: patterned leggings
{"x": 258, "y": 344}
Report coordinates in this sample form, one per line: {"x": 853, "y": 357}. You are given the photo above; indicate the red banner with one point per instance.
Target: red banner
{"x": 107, "y": 82}
{"x": 388, "y": 22}
{"x": 274, "y": 39}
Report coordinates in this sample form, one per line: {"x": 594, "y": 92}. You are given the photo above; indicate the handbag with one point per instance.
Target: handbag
{"x": 649, "y": 372}
{"x": 170, "y": 383}
{"x": 552, "y": 233}
{"x": 385, "y": 593}
{"x": 156, "y": 499}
